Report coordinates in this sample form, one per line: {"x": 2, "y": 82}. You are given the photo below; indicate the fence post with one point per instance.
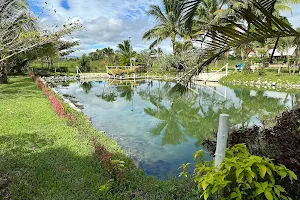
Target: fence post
{"x": 222, "y": 139}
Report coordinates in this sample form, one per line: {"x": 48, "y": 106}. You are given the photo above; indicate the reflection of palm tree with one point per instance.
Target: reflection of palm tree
{"x": 86, "y": 87}
{"x": 107, "y": 95}
{"x": 110, "y": 97}
{"x": 170, "y": 124}
{"x": 266, "y": 107}
{"x": 125, "y": 91}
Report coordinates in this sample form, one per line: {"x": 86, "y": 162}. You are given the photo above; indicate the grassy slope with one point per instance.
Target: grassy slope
{"x": 43, "y": 158}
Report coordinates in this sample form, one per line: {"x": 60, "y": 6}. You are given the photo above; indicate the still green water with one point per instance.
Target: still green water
{"x": 162, "y": 129}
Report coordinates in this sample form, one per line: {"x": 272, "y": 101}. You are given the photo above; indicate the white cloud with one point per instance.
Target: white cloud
{"x": 108, "y": 22}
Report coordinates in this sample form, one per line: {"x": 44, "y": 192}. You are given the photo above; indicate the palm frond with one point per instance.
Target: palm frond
{"x": 156, "y": 12}
{"x": 283, "y": 7}
{"x": 221, "y": 38}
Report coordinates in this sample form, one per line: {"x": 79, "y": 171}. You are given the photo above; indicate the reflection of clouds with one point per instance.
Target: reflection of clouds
{"x": 131, "y": 129}
{"x": 276, "y": 95}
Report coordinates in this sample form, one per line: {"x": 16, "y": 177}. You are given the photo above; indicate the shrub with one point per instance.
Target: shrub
{"x": 261, "y": 70}
{"x": 241, "y": 176}
{"x": 178, "y": 62}
{"x": 123, "y": 71}
{"x": 246, "y": 68}
{"x": 280, "y": 143}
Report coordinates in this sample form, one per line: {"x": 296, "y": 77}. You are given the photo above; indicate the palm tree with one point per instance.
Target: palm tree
{"x": 207, "y": 13}
{"x": 183, "y": 46}
{"x": 108, "y": 51}
{"x": 233, "y": 34}
{"x": 168, "y": 19}
{"x": 125, "y": 49}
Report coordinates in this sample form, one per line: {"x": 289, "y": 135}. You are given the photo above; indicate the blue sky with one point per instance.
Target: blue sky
{"x": 108, "y": 22}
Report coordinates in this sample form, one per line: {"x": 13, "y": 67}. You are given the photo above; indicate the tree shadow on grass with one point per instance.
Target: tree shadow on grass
{"x": 19, "y": 86}
{"x": 37, "y": 168}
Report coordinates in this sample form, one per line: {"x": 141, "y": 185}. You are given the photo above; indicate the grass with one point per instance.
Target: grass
{"x": 221, "y": 63}
{"x": 46, "y": 157}
{"x": 270, "y": 76}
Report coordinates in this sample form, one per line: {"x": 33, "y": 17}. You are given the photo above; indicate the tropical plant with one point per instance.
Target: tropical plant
{"x": 125, "y": 49}
{"x": 233, "y": 33}
{"x": 169, "y": 23}
{"x": 183, "y": 46}
{"x": 240, "y": 176}
{"x": 108, "y": 52}
{"x": 144, "y": 58}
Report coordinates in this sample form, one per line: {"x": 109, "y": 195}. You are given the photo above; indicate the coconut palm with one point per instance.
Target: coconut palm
{"x": 168, "y": 18}
{"x": 233, "y": 33}
{"x": 125, "y": 49}
{"x": 183, "y": 46}
{"x": 108, "y": 51}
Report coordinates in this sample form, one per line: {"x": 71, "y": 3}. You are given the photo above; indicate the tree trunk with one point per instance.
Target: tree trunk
{"x": 274, "y": 49}
{"x": 173, "y": 44}
{"x": 3, "y": 73}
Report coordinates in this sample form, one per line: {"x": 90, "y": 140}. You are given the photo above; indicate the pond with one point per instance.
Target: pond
{"x": 161, "y": 129}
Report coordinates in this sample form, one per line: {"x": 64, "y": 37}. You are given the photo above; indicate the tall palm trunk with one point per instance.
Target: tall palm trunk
{"x": 173, "y": 40}
{"x": 3, "y": 73}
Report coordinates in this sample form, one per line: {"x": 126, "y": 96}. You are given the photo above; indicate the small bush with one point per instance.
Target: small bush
{"x": 241, "y": 176}
{"x": 261, "y": 70}
{"x": 246, "y": 68}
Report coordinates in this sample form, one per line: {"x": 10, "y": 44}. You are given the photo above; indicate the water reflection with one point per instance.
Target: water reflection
{"x": 156, "y": 124}
{"x": 86, "y": 86}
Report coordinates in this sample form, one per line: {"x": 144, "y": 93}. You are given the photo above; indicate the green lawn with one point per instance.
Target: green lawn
{"x": 44, "y": 157}
{"x": 269, "y": 76}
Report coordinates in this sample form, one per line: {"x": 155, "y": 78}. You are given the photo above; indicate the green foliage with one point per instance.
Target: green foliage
{"x": 85, "y": 63}
{"x": 125, "y": 49}
{"x": 169, "y": 24}
{"x": 123, "y": 71}
{"x": 177, "y": 62}
{"x": 261, "y": 70}
{"x": 246, "y": 67}
{"x": 242, "y": 176}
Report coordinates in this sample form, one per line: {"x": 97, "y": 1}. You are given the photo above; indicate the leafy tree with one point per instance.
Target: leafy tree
{"x": 85, "y": 63}
{"x": 19, "y": 33}
{"x": 168, "y": 19}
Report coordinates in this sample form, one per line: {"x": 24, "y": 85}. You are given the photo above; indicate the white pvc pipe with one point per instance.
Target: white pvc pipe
{"x": 222, "y": 139}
